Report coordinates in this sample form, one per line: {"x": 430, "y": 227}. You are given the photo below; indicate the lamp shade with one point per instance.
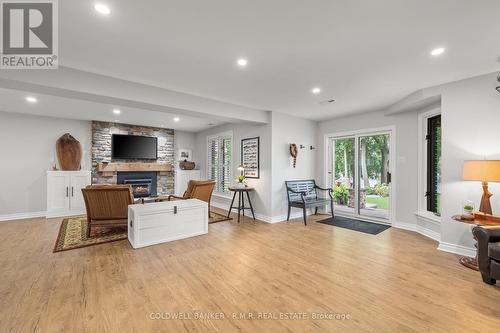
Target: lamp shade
{"x": 484, "y": 171}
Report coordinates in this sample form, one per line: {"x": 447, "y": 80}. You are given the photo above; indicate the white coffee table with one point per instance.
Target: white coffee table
{"x": 161, "y": 222}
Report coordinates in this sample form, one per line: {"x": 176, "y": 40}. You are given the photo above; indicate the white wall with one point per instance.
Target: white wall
{"x": 470, "y": 121}
{"x": 269, "y": 198}
{"x": 470, "y": 130}
{"x": 287, "y": 129}
{"x": 406, "y": 158}
{"x": 185, "y": 140}
{"x": 27, "y": 147}
{"x": 261, "y": 197}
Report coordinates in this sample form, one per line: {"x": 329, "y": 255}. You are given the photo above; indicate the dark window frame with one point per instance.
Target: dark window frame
{"x": 432, "y": 124}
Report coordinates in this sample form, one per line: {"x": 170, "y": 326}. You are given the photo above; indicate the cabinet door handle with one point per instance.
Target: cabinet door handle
{"x": 67, "y": 191}
{"x": 72, "y": 191}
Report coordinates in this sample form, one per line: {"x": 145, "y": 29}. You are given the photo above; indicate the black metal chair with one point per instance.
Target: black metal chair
{"x": 303, "y": 194}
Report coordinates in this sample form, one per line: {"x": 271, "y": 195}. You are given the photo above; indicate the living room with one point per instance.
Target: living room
{"x": 241, "y": 176}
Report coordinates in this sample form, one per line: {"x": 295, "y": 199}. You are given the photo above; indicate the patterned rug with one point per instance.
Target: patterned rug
{"x": 216, "y": 217}
{"x": 73, "y": 233}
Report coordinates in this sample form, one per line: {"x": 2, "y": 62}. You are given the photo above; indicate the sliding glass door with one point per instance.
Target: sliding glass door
{"x": 344, "y": 192}
{"x": 374, "y": 176}
{"x": 360, "y": 174}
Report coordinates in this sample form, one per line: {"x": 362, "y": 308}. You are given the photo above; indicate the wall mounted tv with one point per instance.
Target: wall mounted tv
{"x": 133, "y": 147}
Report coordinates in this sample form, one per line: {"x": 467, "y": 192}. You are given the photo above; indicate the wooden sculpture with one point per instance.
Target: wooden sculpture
{"x": 294, "y": 151}
{"x": 69, "y": 153}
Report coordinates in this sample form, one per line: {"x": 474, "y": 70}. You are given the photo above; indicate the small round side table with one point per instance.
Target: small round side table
{"x": 472, "y": 262}
{"x": 241, "y": 200}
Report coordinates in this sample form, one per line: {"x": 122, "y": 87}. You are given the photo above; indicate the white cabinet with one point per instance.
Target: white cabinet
{"x": 182, "y": 178}
{"x": 166, "y": 221}
{"x": 64, "y": 192}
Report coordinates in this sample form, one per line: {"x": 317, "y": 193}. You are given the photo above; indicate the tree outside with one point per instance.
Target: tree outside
{"x": 374, "y": 167}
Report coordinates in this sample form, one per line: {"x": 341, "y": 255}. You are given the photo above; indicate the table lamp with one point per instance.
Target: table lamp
{"x": 484, "y": 171}
{"x": 241, "y": 169}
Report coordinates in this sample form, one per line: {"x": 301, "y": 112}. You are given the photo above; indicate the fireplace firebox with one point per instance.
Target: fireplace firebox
{"x": 143, "y": 183}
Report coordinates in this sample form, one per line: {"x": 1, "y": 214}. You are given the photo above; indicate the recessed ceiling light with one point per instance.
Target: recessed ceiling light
{"x": 102, "y": 9}
{"x": 116, "y": 111}
{"x": 242, "y": 62}
{"x": 31, "y": 99}
{"x": 316, "y": 90}
{"x": 438, "y": 51}
{"x": 177, "y": 119}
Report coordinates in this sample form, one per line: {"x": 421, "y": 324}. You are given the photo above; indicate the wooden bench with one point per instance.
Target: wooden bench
{"x": 304, "y": 194}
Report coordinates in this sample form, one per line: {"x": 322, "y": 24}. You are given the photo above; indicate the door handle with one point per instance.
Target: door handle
{"x": 389, "y": 177}
{"x": 72, "y": 191}
{"x": 67, "y": 191}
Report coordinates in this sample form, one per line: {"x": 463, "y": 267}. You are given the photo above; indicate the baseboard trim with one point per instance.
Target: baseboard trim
{"x": 22, "y": 216}
{"x": 457, "y": 249}
{"x": 418, "y": 229}
{"x": 262, "y": 217}
{"x": 405, "y": 226}
{"x": 428, "y": 233}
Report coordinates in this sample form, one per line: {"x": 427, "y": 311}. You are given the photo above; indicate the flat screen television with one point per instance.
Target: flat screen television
{"x": 133, "y": 147}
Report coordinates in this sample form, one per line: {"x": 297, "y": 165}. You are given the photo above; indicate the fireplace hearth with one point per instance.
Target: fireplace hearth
{"x": 143, "y": 183}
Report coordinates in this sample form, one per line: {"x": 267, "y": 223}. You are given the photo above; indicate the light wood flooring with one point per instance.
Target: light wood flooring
{"x": 393, "y": 282}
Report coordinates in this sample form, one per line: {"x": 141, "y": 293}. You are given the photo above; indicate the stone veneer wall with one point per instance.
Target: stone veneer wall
{"x": 101, "y": 150}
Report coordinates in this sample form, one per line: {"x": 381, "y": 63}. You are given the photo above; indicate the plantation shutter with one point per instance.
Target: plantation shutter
{"x": 219, "y": 162}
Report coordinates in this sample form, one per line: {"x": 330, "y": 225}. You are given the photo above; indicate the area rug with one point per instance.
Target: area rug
{"x": 73, "y": 234}
{"x": 216, "y": 217}
{"x": 356, "y": 225}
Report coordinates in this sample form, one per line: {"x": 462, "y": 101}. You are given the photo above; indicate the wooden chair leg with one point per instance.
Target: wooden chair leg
{"x": 288, "y": 216}
{"x": 305, "y": 215}
{"x": 331, "y": 208}
{"x": 316, "y": 211}
{"x": 88, "y": 231}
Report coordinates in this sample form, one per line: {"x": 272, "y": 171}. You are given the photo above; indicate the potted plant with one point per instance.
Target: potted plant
{"x": 241, "y": 181}
{"x": 468, "y": 210}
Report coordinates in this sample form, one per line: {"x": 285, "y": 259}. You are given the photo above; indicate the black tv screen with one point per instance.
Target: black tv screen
{"x": 133, "y": 147}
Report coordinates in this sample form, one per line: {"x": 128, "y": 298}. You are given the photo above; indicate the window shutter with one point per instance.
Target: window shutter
{"x": 219, "y": 162}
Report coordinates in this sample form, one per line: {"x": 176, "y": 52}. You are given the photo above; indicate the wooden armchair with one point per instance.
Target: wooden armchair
{"x": 107, "y": 205}
{"x": 197, "y": 189}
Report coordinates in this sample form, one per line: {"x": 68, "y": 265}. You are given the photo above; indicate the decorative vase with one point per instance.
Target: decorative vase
{"x": 69, "y": 153}
{"x": 240, "y": 185}
{"x": 186, "y": 165}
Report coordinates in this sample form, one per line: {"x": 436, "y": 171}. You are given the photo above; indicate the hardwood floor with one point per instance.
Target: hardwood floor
{"x": 393, "y": 282}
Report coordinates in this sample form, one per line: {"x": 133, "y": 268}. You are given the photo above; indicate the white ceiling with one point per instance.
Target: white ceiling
{"x": 365, "y": 54}
{"x": 53, "y": 106}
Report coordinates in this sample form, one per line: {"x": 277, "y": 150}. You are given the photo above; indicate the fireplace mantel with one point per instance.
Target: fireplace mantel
{"x": 109, "y": 169}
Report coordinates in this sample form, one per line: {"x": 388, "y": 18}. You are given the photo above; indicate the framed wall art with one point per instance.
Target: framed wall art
{"x": 250, "y": 157}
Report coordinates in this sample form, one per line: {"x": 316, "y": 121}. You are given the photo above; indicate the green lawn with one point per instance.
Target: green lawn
{"x": 381, "y": 202}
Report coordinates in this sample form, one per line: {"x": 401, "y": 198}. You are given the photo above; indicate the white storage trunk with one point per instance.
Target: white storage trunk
{"x": 161, "y": 222}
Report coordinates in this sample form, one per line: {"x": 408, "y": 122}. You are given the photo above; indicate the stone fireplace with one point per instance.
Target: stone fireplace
{"x": 101, "y": 154}
{"x": 143, "y": 183}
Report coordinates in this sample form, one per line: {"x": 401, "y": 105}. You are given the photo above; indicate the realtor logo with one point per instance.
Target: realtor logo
{"x": 29, "y": 34}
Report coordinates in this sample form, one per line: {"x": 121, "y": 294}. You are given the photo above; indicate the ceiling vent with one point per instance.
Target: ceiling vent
{"x": 329, "y": 101}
